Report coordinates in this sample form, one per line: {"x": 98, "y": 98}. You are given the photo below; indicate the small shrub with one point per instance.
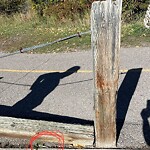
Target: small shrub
{"x": 62, "y": 8}
{"x": 70, "y": 9}
{"x": 133, "y": 9}
{"x": 12, "y": 6}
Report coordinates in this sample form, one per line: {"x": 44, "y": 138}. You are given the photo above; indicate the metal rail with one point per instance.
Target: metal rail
{"x": 22, "y": 50}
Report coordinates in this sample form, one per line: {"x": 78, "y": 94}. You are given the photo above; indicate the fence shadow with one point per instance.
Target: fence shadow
{"x": 125, "y": 94}
{"x": 43, "y": 86}
{"x": 145, "y": 114}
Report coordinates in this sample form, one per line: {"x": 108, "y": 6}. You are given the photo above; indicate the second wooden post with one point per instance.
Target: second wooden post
{"x": 105, "y": 40}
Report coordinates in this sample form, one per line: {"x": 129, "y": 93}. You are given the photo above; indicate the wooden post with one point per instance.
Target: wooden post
{"x": 105, "y": 40}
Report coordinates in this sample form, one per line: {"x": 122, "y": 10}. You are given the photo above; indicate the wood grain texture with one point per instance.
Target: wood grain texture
{"x": 75, "y": 135}
{"x": 105, "y": 41}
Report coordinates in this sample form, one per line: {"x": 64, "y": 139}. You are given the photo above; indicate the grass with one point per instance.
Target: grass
{"x": 135, "y": 34}
{"x": 17, "y": 32}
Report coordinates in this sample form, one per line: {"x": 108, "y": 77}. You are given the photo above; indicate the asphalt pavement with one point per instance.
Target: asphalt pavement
{"x": 46, "y": 78}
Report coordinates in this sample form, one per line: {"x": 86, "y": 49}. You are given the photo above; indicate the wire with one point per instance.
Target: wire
{"x": 22, "y": 50}
{"x": 15, "y": 82}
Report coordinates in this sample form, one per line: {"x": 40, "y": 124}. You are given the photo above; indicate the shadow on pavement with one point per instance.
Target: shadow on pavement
{"x": 28, "y": 85}
{"x": 145, "y": 114}
{"x": 43, "y": 86}
{"x": 125, "y": 94}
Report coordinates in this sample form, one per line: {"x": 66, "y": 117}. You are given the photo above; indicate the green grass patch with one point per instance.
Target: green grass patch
{"x": 135, "y": 34}
{"x": 17, "y": 32}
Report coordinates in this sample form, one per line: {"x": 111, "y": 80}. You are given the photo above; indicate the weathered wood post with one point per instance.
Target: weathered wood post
{"x": 105, "y": 40}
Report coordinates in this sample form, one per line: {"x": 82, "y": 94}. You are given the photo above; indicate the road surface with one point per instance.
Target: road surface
{"x": 41, "y": 80}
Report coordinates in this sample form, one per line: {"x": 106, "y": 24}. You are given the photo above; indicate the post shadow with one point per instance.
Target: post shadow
{"x": 145, "y": 114}
{"x": 43, "y": 86}
{"x": 125, "y": 94}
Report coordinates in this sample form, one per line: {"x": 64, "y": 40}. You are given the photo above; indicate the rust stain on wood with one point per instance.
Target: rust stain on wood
{"x": 101, "y": 83}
